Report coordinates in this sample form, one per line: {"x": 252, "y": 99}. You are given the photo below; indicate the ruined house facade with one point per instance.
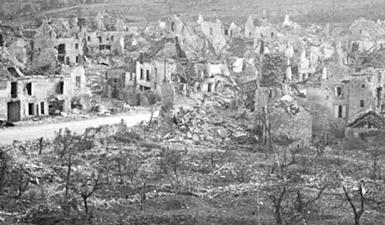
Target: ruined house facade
{"x": 65, "y": 42}
{"x": 233, "y": 30}
{"x": 344, "y": 99}
{"x": 25, "y": 97}
{"x": 119, "y": 83}
{"x": 150, "y": 74}
{"x": 106, "y": 41}
{"x": 214, "y": 32}
{"x": 250, "y": 27}
{"x": 70, "y": 50}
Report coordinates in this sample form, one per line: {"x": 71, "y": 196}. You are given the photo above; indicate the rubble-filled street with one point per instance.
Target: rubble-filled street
{"x": 199, "y": 112}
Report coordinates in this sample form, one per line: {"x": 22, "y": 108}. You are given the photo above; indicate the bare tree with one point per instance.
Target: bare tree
{"x": 68, "y": 146}
{"x": 358, "y": 211}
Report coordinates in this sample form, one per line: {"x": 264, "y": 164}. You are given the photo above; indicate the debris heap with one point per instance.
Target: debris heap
{"x": 206, "y": 126}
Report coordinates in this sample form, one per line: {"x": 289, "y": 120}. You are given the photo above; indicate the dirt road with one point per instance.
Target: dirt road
{"x": 8, "y": 135}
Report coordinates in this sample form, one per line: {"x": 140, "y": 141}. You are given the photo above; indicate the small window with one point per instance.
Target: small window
{"x": 155, "y": 85}
{"x": 76, "y": 46}
{"x": 60, "y": 87}
{"x": 209, "y": 87}
{"x": 100, "y": 39}
{"x": 148, "y": 75}
{"x": 339, "y": 91}
{"x": 77, "y": 59}
{"x": 31, "y": 109}
{"x": 14, "y": 90}
{"x": 362, "y": 103}
{"x": 68, "y": 61}
{"x": 78, "y": 81}
{"x": 88, "y": 38}
{"x": 363, "y": 85}
{"x": 112, "y": 38}
{"x": 42, "y": 110}
{"x": 141, "y": 74}
{"x": 29, "y": 88}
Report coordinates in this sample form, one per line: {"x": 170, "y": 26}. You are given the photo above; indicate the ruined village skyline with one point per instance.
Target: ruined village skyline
{"x": 201, "y": 112}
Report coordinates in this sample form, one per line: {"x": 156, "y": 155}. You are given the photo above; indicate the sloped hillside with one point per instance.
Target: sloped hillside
{"x": 305, "y": 10}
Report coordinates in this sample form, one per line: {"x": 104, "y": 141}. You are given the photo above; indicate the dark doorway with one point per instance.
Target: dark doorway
{"x": 340, "y": 111}
{"x": 14, "y": 111}
{"x": 1, "y": 40}
{"x": 31, "y": 109}
{"x": 115, "y": 92}
{"x": 42, "y": 110}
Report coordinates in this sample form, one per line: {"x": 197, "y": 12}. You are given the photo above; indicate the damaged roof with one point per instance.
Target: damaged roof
{"x": 367, "y": 119}
{"x": 164, "y": 48}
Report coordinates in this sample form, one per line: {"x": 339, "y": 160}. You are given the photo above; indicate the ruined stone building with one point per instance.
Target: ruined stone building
{"x": 344, "y": 99}
{"x": 150, "y": 74}
{"x": 187, "y": 36}
{"x": 63, "y": 41}
{"x": 250, "y": 25}
{"x": 120, "y": 83}
{"x": 233, "y": 30}
{"x": 366, "y": 29}
{"x": 213, "y": 30}
{"x": 24, "y": 97}
{"x": 107, "y": 42}
{"x": 70, "y": 50}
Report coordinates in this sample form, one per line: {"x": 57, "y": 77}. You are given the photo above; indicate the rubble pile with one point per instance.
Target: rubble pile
{"x": 205, "y": 126}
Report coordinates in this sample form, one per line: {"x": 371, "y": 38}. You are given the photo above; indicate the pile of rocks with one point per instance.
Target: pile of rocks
{"x": 204, "y": 126}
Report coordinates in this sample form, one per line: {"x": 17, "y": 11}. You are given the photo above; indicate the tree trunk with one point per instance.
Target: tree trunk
{"x": 278, "y": 217}
{"x": 120, "y": 172}
{"x": 85, "y": 204}
{"x": 20, "y": 182}
{"x": 68, "y": 178}
{"x": 356, "y": 221}
{"x": 41, "y": 146}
